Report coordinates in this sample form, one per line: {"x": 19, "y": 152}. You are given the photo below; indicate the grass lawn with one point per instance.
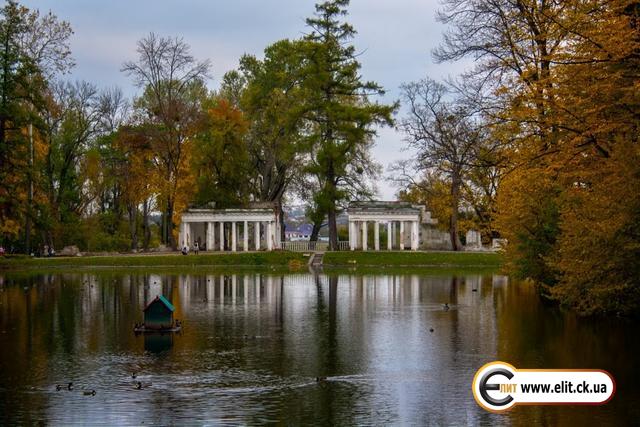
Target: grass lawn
{"x": 250, "y": 259}
{"x": 412, "y": 259}
{"x": 277, "y": 260}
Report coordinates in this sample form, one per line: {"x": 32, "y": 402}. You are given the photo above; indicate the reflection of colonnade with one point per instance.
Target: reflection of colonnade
{"x": 231, "y": 289}
{"x": 231, "y": 229}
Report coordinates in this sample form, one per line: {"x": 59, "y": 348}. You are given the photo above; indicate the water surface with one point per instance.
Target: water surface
{"x": 254, "y": 343}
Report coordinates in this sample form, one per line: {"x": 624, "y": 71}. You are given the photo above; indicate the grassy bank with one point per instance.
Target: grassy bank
{"x": 412, "y": 259}
{"x": 250, "y": 259}
{"x": 280, "y": 260}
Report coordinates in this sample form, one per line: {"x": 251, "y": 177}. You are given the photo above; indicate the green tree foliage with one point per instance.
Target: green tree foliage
{"x": 338, "y": 106}
{"x": 34, "y": 49}
{"x": 21, "y": 88}
{"x": 273, "y": 102}
{"x": 220, "y": 157}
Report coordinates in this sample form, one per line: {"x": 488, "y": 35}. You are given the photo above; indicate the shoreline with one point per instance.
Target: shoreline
{"x": 276, "y": 260}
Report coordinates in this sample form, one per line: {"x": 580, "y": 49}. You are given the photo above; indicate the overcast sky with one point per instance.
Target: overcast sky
{"x": 395, "y": 37}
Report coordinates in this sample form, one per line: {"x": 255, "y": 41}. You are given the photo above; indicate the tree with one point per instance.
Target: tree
{"x": 341, "y": 116}
{"x": 273, "y": 101}
{"x": 446, "y": 140}
{"x": 173, "y": 83}
{"x": 560, "y": 85}
{"x": 72, "y": 121}
{"x": 220, "y": 160}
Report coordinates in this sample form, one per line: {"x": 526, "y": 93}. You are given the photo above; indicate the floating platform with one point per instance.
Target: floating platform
{"x": 142, "y": 329}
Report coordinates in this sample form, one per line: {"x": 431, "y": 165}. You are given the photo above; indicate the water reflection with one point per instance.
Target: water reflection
{"x": 253, "y": 344}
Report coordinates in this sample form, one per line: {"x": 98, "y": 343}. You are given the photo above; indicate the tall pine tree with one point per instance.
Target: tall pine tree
{"x": 343, "y": 117}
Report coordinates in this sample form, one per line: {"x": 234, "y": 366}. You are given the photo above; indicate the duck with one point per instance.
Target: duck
{"x": 445, "y": 306}
{"x": 140, "y": 385}
{"x": 321, "y": 379}
{"x": 58, "y": 387}
{"x": 134, "y": 375}
{"x": 70, "y": 386}
{"x": 89, "y": 392}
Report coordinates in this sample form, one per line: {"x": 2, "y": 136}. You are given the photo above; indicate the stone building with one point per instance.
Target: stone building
{"x": 408, "y": 226}
{"x": 255, "y": 227}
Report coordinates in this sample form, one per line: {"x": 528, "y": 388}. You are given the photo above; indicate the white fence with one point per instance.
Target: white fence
{"x": 306, "y": 246}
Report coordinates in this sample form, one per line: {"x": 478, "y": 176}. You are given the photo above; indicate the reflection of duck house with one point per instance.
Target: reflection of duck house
{"x": 158, "y": 317}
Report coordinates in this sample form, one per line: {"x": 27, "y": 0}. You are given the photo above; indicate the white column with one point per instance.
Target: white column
{"x": 188, "y": 229}
{"x": 401, "y": 235}
{"x": 376, "y": 236}
{"x": 256, "y": 230}
{"x": 233, "y": 236}
{"x": 221, "y": 236}
{"x": 208, "y": 239}
{"x": 393, "y": 233}
{"x": 268, "y": 236}
{"x": 276, "y": 233}
{"x": 352, "y": 235}
{"x": 364, "y": 235}
{"x": 245, "y": 235}
{"x": 414, "y": 235}
{"x": 389, "y": 244}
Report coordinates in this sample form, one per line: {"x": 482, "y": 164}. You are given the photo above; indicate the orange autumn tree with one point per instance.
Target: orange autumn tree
{"x": 173, "y": 84}
{"x": 560, "y": 83}
{"x": 221, "y": 157}
{"x": 599, "y": 244}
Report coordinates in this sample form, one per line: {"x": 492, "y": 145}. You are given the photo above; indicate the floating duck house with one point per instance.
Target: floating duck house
{"x": 158, "y": 314}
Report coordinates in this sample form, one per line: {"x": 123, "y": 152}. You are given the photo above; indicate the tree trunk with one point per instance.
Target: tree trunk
{"x": 146, "y": 231}
{"x": 333, "y": 227}
{"x": 281, "y": 217}
{"x": 169, "y": 223}
{"x": 315, "y": 231}
{"x": 132, "y": 210}
{"x": 456, "y": 245}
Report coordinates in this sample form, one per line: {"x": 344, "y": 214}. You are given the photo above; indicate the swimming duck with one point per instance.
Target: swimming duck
{"x": 140, "y": 385}
{"x": 320, "y": 379}
{"x": 70, "y": 386}
{"x": 89, "y": 392}
{"x": 133, "y": 375}
{"x": 58, "y": 387}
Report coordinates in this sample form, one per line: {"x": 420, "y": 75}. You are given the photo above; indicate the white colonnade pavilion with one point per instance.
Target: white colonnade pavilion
{"x": 401, "y": 220}
{"x": 230, "y": 229}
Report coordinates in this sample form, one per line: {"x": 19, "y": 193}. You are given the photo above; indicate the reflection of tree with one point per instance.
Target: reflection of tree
{"x": 329, "y": 363}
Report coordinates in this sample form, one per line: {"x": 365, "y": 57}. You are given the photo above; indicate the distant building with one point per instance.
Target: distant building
{"x": 299, "y": 233}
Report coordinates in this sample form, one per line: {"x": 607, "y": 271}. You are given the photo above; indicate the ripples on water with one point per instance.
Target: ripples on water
{"x": 253, "y": 345}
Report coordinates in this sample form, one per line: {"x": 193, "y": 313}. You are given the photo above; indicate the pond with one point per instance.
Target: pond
{"x": 253, "y": 345}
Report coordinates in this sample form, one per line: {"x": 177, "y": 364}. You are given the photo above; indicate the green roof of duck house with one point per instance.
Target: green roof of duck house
{"x": 158, "y": 314}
